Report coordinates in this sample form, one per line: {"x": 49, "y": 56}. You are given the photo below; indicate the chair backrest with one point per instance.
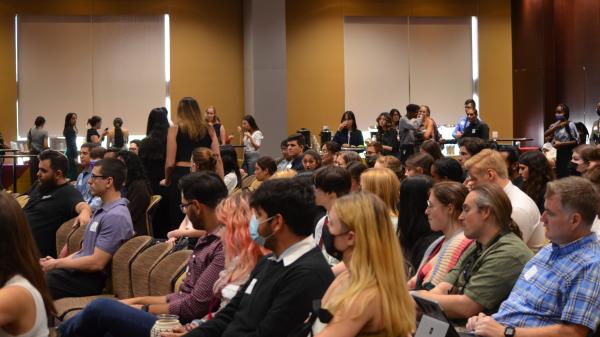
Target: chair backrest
{"x": 75, "y": 239}
{"x": 153, "y": 202}
{"x": 121, "y": 265}
{"x": 63, "y": 233}
{"x": 142, "y": 267}
{"x": 247, "y": 181}
{"x": 22, "y": 200}
{"x": 164, "y": 276}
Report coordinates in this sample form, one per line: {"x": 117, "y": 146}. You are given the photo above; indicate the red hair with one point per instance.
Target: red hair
{"x": 235, "y": 213}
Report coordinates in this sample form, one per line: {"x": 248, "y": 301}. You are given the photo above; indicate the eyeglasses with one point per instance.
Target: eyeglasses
{"x": 94, "y": 177}
{"x": 183, "y": 206}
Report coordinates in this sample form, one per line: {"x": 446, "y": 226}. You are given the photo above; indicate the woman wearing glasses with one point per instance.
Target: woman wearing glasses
{"x": 443, "y": 208}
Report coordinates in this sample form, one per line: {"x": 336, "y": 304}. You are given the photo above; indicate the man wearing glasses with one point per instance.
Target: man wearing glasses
{"x": 84, "y": 273}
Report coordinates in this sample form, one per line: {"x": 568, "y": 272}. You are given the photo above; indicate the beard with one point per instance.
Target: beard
{"x": 47, "y": 186}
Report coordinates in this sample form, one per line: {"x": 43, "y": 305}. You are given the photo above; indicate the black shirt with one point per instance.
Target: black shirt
{"x": 388, "y": 138}
{"x": 47, "y": 210}
{"x": 275, "y": 301}
{"x": 353, "y": 137}
{"x": 477, "y": 129}
{"x": 92, "y": 132}
{"x": 186, "y": 145}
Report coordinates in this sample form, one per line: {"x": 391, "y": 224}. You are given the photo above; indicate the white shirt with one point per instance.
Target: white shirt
{"x": 257, "y": 136}
{"x": 230, "y": 181}
{"x": 295, "y": 251}
{"x": 40, "y": 325}
{"x": 332, "y": 261}
{"x": 527, "y": 216}
{"x": 596, "y": 227}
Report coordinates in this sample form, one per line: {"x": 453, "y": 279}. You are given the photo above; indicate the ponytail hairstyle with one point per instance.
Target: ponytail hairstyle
{"x": 203, "y": 159}
{"x": 494, "y": 198}
{"x": 119, "y": 140}
{"x": 94, "y": 120}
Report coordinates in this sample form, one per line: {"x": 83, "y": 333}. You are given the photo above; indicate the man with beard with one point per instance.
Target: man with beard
{"x": 84, "y": 272}
{"x": 52, "y": 201}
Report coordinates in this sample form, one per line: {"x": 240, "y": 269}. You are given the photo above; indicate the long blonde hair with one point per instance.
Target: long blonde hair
{"x": 189, "y": 119}
{"x": 376, "y": 267}
{"x": 384, "y": 183}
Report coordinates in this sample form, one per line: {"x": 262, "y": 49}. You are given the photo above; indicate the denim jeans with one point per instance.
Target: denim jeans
{"x": 249, "y": 164}
{"x": 108, "y": 317}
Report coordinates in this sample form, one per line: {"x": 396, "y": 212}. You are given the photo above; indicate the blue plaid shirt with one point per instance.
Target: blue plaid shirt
{"x": 558, "y": 285}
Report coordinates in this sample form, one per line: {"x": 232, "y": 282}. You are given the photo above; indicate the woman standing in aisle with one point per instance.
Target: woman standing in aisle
{"x": 251, "y": 138}
{"x": 70, "y": 134}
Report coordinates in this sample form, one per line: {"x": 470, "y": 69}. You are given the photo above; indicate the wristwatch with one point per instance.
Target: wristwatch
{"x": 509, "y": 331}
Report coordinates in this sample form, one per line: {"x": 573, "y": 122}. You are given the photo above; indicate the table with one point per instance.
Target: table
{"x": 14, "y": 165}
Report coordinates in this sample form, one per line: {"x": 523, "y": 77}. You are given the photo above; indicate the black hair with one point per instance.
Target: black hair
{"x": 332, "y": 147}
{"x": 205, "y": 187}
{"x": 58, "y": 161}
{"x": 422, "y": 160}
{"x": 114, "y": 168}
{"x": 94, "y": 120}
{"x": 284, "y": 143}
{"x": 388, "y": 121}
{"x": 119, "y": 139}
{"x": 230, "y": 162}
{"x": 395, "y": 111}
{"x": 97, "y": 152}
{"x": 473, "y": 145}
{"x": 564, "y": 109}
{"x": 39, "y": 121}
{"x": 333, "y": 179}
{"x": 513, "y": 154}
{"x": 291, "y": 198}
{"x": 356, "y": 168}
{"x": 251, "y": 121}
{"x": 349, "y": 115}
{"x": 432, "y": 148}
{"x": 412, "y": 110}
{"x": 136, "y": 142}
{"x": 540, "y": 173}
{"x": 448, "y": 168}
{"x": 68, "y": 125}
{"x": 89, "y": 146}
{"x": 299, "y": 138}
{"x": 157, "y": 122}
{"x": 267, "y": 163}
{"x": 135, "y": 169}
{"x": 412, "y": 221}
{"x": 471, "y": 101}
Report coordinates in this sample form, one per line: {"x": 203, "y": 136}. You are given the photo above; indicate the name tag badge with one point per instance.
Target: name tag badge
{"x": 473, "y": 131}
{"x": 94, "y": 226}
{"x": 530, "y": 273}
{"x": 45, "y": 197}
{"x": 250, "y": 286}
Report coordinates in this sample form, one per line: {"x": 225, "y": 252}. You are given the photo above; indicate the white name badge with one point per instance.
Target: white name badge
{"x": 94, "y": 226}
{"x": 250, "y": 286}
{"x": 530, "y": 273}
{"x": 473, "y": 131}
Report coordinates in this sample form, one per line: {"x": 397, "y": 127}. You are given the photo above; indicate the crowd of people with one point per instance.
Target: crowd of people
{"x": 318, "y": 242}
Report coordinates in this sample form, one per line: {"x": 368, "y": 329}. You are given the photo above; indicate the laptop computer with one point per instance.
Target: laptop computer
{"x": 434, "y": 322}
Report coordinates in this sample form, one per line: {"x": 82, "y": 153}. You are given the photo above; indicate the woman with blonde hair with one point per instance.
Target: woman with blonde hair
{"x": 210, "y": 115}
{"x": 371, "y": 297}
{"x": 191, "y": 131}
{"x": 384, "y": 183}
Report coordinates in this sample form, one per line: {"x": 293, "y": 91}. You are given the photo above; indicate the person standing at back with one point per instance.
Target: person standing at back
{"x": 37, "y": 141}
{"x": 93, "y": 136}
{"x": 210, "y": 114}
{"x": 251, "y": 138}
{"x": 118, "y": 136}
{"x": 70, "y": 134}
{"x": 189, "y": 132}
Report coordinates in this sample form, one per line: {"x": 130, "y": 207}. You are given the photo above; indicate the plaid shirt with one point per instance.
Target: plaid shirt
{"x": 558, "y": 285}
{"x": 196, "y": 292}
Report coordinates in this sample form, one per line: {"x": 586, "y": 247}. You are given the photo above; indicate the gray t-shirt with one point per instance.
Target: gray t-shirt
{"x": 109, "y": 228}
{"x": 36, "y": 137}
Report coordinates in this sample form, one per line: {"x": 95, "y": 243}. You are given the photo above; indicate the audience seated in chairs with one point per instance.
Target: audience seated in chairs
{"x": 82, "y": 182}
{"x": 443, "y": 208}
{"x": 419, "y": 163}
{"x": 201, "y": 192}
{"x": 53, "y": 201}
{"x": 84, "y": 273}
{"x": 370, "y": 298}
{"x": 383, "y": 183}
{"x": 488, "y": 166}
{"x": 25, "y": 302}
{"x": 328, "y": 152}
{"x": 557, "y": 293}
{"x": 283, "y": 285}
{"x": 487, "y": 271}
{"x": 356, "y": 169}
{"x": 296, "y": 144}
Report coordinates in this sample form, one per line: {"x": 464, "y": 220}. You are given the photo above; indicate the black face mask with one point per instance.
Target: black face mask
{"x": 598, "y": 111}
{"x": 573, "y": 169}
{"x": 371, "y": 159}
{"x": 328, "y": 242}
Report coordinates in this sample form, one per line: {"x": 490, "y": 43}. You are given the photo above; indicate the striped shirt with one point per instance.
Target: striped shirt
{"x": 558, "y": 285}
{"x": 441, "y": 256}
{"x": 196, "y": 292}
